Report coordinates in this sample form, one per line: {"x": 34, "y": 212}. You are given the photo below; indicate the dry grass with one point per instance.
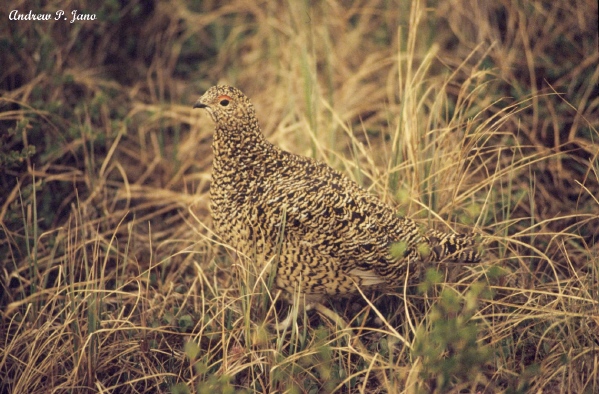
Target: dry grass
{"x": 462, "y": 115}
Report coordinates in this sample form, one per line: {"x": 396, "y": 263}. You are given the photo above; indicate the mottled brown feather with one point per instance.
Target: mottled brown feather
{"x": 327, "y": 234}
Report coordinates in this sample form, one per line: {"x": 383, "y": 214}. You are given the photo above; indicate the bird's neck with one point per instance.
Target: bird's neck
{"x": 238, "y": 144}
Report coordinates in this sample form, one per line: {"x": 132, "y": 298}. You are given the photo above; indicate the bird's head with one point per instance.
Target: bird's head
{"x": 227, "y": 106}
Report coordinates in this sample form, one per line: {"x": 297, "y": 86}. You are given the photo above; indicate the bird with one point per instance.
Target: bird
{"x": 327, "y": 235}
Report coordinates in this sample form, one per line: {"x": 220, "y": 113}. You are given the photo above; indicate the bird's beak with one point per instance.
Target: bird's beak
{"x": 199, "y": 104}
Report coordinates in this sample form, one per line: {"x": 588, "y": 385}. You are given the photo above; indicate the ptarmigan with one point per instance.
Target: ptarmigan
{"x": 326, "y": 233}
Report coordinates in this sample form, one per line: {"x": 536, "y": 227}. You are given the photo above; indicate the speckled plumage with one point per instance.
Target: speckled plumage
{"x": 327, "y": 234}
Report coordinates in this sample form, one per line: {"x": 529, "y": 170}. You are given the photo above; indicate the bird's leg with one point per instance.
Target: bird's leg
{"x": 320, "y": 308}
{"x": 329, "y": 314}
{"x": 296, "y": 307}
{"x": 355, "y": 340}
{"x": 337, "y": 321}
{"x": 284, "y": 324}
{"x": 298, "y": 304}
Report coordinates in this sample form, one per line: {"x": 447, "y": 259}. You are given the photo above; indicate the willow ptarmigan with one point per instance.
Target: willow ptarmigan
{"x": 327, "y": 234}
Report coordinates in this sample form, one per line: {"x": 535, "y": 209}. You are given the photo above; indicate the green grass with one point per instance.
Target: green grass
{"x": 461, "y": 116}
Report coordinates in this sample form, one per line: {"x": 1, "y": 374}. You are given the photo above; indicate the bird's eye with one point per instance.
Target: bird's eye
{"x": 224, "y": 102}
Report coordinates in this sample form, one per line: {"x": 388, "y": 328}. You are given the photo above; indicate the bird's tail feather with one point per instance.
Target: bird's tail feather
{"x": 455, "y": 247}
